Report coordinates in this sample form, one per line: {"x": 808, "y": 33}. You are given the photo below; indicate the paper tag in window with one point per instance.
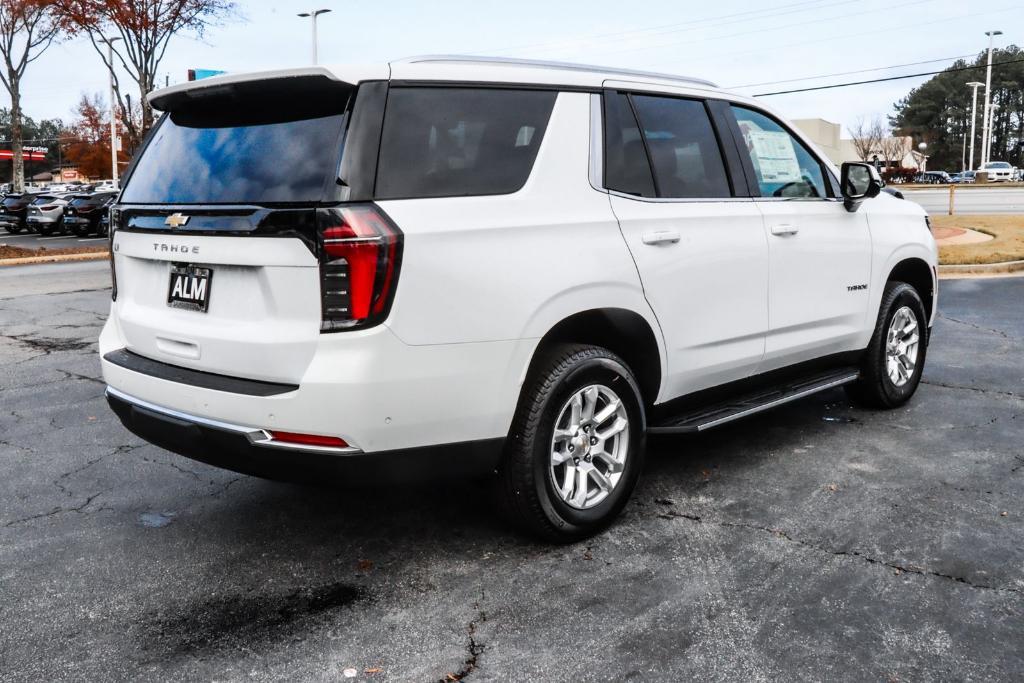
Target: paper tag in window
{"x": 775, "y": 157}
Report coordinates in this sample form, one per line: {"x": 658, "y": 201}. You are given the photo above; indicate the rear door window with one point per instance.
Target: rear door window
{"x": 457, "y": 142}
{"x": 677, "y": 141}
{"x": 626, "y": 168}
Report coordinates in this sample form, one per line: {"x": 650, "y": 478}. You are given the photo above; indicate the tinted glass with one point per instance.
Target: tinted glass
{"x": 42, "y": 199}
{"x": 210, "y": 160}
{"x": 683, "y": 148}
{"x": 782, "y": 165}
{"x": 626, "y": 168}
{"x": 450, "y": 142}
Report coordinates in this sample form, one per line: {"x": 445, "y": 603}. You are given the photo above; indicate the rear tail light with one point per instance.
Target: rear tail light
{"x": 307, "y": 439}
{"x": 360, "y": 255}
{"x": 49, "y": 207}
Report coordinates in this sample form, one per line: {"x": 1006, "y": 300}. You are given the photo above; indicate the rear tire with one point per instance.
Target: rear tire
{"x": 894, "y": 360}
{"x": 14, "y": 230}
{"x": 44, "y": 230}
{"x": 81, "y": 231}
{"x": 576, "y": 447}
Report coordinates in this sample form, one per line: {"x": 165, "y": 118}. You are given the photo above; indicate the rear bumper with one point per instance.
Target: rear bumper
{"x": 250, "y": 450}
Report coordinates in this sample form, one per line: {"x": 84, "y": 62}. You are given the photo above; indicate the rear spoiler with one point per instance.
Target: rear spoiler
{"x": 182, "y": 94}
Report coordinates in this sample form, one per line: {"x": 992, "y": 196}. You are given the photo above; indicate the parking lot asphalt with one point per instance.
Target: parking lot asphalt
{"x": 815, "y": 542}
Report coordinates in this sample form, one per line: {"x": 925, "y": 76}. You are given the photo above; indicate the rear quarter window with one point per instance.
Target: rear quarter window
{"x": 457, "y": 142}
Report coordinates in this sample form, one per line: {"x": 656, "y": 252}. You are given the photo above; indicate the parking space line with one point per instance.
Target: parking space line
{"x": 92, "y": 239}
{"x": 55, "y": 237}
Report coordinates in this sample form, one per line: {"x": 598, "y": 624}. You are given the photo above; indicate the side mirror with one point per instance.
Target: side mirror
{"x": 859, "y": 182}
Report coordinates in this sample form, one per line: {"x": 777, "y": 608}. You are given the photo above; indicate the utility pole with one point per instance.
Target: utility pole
{"x": 113, "y": 109}
{"x": 986, "y": 114}
{"x": 974, "y": 85}
{"x": 313, "y": 15}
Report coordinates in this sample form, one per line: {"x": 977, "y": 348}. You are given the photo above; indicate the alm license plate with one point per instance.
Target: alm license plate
{"x": 190, "y": 287}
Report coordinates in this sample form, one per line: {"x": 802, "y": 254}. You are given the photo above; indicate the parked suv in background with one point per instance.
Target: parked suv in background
{"x": 495, "y": 267}
{"x": 83, "y": 213}
{"x": 13, "y": 211}
{"x": 45, "y": 215}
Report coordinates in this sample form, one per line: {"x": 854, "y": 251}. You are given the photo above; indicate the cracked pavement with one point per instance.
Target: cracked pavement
{"x": 817, "y": 541}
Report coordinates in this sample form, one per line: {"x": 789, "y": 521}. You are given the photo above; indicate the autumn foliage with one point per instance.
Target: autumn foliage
{"x": 89, "y": 148}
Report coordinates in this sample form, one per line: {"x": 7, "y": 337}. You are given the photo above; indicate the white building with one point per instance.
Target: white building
{"x": 828, "y": 137}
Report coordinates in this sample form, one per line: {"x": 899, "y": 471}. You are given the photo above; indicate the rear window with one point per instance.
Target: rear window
{"x": 43, "y": 199}
{"x": 455, "y": 142}
{"x": 243, "y": 147}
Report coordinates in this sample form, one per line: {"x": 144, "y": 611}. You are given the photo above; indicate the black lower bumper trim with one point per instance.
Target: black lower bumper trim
{"x": 233, "y": 451}
{"x": 196, "y": 378}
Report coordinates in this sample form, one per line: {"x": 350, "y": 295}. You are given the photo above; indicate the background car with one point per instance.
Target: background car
{"x": 107, "y": 186}
{"x": 998, "y": 171}
{"x": 933, "y": 178}
{"x": 13, "y": 210}
{"x": 82, "y": 214}
{"x": 46, "y": 214}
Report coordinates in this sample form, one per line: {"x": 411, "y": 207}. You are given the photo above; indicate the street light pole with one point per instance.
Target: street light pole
{"x": 113, "y": 117}
{"x": 986, "y": 113}
{"x": 313, "y": 15}
{"x": 974, "y": 85}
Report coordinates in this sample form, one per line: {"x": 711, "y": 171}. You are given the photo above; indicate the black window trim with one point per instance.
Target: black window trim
{"x": 831, "y": 184}
{"x": 734, "y": 170}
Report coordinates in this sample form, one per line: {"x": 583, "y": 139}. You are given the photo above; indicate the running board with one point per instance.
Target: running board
{"x": 705, "y": 418}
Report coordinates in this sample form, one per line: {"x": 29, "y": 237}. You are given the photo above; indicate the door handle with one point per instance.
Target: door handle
{"x": 660, "y": 237}
{"x": 784, "y": 229}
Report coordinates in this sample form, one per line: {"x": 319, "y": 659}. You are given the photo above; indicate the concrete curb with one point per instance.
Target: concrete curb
{"x": 983, "y": 268}
{"x": 56, "y": 258}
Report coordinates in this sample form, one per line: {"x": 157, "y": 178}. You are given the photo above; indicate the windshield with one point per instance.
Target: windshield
{"x": 997, "y": 164}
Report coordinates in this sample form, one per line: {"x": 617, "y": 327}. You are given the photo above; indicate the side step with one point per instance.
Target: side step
{"x": 712, "y": 416}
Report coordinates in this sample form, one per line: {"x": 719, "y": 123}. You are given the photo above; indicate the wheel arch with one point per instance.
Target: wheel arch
{"x": 917, "y": 273}
{"x": 623, "y": 332}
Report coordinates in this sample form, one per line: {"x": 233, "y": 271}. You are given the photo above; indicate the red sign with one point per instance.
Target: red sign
{"x": 27, "y": 156}
{"x": 69, "y": 174}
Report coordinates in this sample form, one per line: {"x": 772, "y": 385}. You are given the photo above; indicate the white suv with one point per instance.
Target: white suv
{"x": 494, "y": 267}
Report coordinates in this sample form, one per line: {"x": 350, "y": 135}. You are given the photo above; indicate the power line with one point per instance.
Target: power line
{"x": 848, "y": 73}
{"x": 882, "y": 80}
{"x": 703, "y": 57}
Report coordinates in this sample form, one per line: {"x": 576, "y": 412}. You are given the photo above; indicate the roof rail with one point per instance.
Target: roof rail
{"x": 539, "y": 64}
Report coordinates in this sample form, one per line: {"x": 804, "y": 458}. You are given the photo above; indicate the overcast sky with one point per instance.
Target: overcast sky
{"x": 732, "y": 42}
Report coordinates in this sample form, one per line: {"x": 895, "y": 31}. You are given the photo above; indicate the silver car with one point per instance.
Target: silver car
{"x": 46, "y": 214}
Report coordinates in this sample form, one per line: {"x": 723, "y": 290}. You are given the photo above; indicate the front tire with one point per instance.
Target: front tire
{"x": 894, "y": 360}
{"x": 576, "y": 447}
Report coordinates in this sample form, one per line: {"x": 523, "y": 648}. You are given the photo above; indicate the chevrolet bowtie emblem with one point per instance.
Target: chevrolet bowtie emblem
{"x": 176, "y": 220}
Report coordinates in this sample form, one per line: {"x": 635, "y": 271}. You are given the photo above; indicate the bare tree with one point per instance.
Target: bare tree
{"x": 865, "y": 137}
{"x": 27, "y": 28}
{"x": 893, "y": 147}
{"x": 139, "y": 32}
